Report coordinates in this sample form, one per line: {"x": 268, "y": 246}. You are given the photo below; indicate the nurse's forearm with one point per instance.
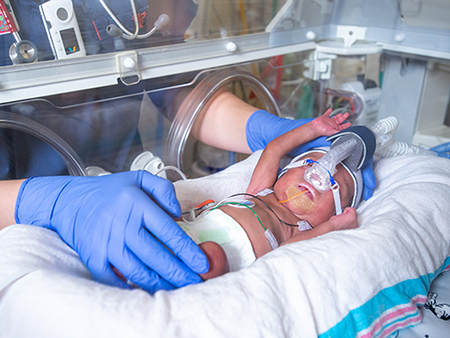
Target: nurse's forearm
{"x": 222, "y": 122}
{"x": 8, "y": 195}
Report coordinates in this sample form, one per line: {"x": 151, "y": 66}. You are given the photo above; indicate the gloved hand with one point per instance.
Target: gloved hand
{"x": 262, "y": 127}
{"x": 118, "y": 220}
{"x": 369, "y": 179}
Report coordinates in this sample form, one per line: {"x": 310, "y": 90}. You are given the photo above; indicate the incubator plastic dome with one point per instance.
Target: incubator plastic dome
{"x": 197, "y": 99}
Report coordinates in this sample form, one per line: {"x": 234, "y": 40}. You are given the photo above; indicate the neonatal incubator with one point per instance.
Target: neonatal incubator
{"x": 96, "y": 87}
{"x": 92, "y": 87}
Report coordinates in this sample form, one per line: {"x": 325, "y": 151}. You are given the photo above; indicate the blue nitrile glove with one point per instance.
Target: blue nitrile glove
{"x": 263, "y": 127}
{"x": 369, "y": 179}
{"x": 117, "y": 220}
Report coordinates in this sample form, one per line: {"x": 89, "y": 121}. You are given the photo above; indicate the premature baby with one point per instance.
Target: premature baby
{"x": 241, "y": 229}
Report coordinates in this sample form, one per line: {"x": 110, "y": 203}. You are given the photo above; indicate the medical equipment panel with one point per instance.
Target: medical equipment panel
{"x": 62, "y": 29}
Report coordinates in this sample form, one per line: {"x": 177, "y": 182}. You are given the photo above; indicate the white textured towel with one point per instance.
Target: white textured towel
{"x": 363, "y": 282}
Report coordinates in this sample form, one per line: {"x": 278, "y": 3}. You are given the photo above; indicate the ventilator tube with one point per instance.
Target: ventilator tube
{"x": 387, "y": 146}
{"x": 320, "y": 174}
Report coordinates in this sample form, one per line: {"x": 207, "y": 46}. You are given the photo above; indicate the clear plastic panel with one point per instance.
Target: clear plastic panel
{"x": 355, "y": 86}
{"x": 66, "y": 29}
{"x": 410, "y": 26}
{"x": 300, "y": 21}
{"x": 280, "y": 80}
{"x": 426, "y": 13}
{"x": 109, "y": 127}
{"x": 105, "y": 129}
{"x": 414, "y": 26}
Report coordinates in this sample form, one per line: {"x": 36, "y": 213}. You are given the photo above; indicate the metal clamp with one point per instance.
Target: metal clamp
{"x": 127, "y": 67}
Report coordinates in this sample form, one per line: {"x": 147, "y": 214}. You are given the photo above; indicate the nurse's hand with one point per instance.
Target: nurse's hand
{"x": 122, "y": 220}
{"x": 263, "y": 127}
{"x": 369, "y": 179}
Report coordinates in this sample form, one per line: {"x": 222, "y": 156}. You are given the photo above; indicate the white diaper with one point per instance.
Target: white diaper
{"x": 217, "y": 226}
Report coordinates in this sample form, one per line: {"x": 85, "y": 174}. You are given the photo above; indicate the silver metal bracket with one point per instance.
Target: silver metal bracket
{"x": 128, "y": 69}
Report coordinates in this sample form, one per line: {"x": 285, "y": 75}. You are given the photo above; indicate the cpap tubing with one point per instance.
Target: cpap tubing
{"x": 319, "y": 174}
{"x": 387, "y": 146}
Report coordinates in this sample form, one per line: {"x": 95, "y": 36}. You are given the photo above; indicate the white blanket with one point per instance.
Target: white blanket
{"x": 363, "y": 282}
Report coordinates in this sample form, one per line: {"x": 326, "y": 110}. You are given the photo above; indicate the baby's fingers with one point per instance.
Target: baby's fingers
{"x": 344, "y": 126}
{"x": 339, "y": 118}
{"x": 328, "y": 112}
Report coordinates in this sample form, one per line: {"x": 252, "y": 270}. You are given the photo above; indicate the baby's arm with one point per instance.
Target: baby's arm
{"x": 265, "y": 173}
{"x": 347, "y": 220}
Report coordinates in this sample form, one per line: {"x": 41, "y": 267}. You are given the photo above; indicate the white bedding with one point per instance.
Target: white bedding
{"x": 364, "y": 282}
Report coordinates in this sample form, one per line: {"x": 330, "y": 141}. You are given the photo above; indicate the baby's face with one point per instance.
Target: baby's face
{"x": 324, "y": 201}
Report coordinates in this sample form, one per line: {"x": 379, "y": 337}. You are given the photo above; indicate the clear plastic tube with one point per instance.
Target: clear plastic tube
{"x": 384, "y": 131}
{"x": 398, "y": 148}
{"x": 197, "y": 99}
{"x": 387, "y": 146}
{"x": 319, "y": 174}
{"x": 73, "y": 162}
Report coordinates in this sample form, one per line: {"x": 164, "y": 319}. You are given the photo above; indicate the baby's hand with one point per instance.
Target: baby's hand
{"x": 347, "y": 220}
{"x": 326, "y": 126}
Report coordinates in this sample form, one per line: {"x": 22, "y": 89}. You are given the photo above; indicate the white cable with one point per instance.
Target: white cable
{"x": 127, "y": 34}
{"x": 183, "y": 176}
{"x": 162, "y": 21}
{"x": 149, "y": 33}
{"x": 170, "y": 167}
{"x": 136, "y": 23}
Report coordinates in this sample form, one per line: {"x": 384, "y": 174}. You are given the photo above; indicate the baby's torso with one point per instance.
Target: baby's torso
{"x": 217, "y": 226}
{"x": 265, "y": 213}
{"x": 249, "y": 221}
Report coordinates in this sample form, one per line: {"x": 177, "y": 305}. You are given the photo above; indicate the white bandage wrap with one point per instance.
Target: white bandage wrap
{"x": 337, "y": 198}
{"x": 271, "y": 238}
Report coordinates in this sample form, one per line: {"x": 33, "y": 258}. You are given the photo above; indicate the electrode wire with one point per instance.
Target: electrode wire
{"x": 266, "y": 205}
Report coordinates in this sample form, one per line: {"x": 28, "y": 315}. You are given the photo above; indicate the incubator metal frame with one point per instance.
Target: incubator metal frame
{"x": 300, "y": 25}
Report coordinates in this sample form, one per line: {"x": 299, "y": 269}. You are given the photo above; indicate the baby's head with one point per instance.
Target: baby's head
{"x": 310, "y": 204}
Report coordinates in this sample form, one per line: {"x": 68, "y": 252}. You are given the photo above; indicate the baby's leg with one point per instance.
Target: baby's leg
{"x": 218, "y": 261}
